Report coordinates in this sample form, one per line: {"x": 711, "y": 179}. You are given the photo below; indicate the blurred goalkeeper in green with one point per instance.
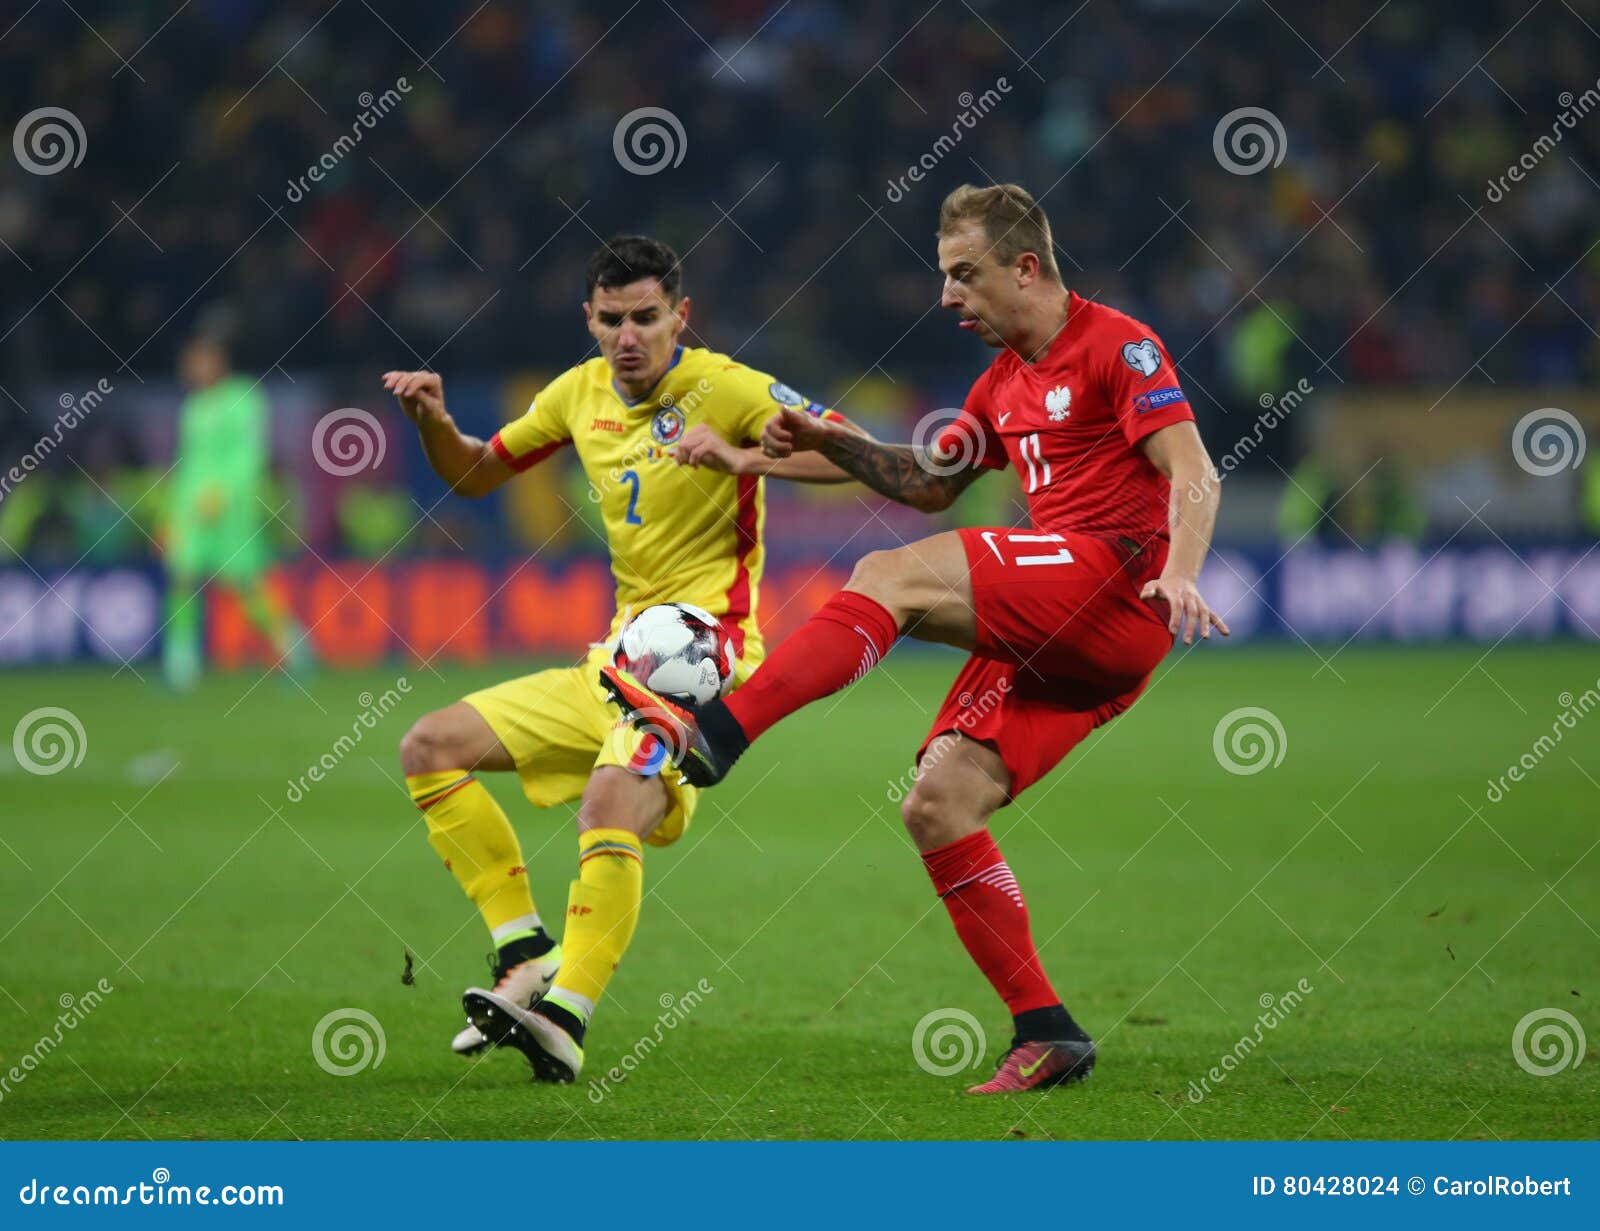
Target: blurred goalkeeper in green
{"x": 218, "y": 519}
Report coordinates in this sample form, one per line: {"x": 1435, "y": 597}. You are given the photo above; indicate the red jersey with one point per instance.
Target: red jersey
{"x": 1071, "y": 424}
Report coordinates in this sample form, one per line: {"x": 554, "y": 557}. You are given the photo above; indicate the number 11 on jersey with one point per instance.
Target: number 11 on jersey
{"x": 993, "y": 538}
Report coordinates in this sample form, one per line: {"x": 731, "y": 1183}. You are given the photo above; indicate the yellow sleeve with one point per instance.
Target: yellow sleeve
{"x": 542, "y": 429}
{"x": 758, "y": 396}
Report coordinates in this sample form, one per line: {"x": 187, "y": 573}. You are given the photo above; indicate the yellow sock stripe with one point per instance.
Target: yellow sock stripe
{"x": 431, "y": 795}
{"x": 422, "y": 784}
{"x": 591, "y": 838}
{"x": 611, "y": 848}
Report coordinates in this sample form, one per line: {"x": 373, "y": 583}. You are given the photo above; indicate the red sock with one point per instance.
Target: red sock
{"x": 835, "y": 647}
{"x": 991, "y": 918}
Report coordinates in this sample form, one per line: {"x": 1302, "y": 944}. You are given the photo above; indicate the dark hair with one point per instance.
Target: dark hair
{"x": 218, "y": 324}
{"x": 628, "y": 258}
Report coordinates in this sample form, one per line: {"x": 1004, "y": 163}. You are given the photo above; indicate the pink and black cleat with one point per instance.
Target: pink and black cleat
{"x": 1040, "y": 1065}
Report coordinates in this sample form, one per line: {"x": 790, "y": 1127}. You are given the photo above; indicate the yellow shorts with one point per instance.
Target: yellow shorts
{"x": 559, "y": 727}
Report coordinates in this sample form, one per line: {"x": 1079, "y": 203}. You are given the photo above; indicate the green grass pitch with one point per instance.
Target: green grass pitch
{"x": 1168, "y": 896}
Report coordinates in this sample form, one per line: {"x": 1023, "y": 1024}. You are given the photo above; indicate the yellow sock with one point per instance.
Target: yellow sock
{"x": 602, "y": 911}
{"x": 470, "y": 832}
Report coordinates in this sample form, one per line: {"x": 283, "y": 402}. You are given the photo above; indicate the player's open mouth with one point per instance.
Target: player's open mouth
{"x": 969, "y": 323}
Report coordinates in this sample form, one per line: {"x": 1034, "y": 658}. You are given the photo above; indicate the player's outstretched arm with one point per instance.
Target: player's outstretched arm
{"x": 906, "y": 473}
{"x": 467, "y": 464}
{"x": 1177, "y": 451}
{"x": 702, "y": 446}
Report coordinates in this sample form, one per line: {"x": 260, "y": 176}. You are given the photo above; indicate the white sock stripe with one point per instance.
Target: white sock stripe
{"x": 999, "y": 876}
{"x": 869, "y": 657}
{"x": 523, "y": 923}
{"x": 582, "y": 1005}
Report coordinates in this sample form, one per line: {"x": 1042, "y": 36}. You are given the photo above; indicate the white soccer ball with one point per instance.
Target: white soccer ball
{"x": 679, "y": 651}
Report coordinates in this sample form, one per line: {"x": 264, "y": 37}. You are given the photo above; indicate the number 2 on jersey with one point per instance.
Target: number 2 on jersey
{"x": 631, "y": 478}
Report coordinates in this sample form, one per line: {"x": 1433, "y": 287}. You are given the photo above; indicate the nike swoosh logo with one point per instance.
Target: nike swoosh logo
{"x": 988, "y": 536}
{"x": 1002, "y": 419}
{"x": 1034, "y": 1067}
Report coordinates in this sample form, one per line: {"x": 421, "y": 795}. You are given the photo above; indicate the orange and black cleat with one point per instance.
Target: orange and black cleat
{"x": 677, "y": 727}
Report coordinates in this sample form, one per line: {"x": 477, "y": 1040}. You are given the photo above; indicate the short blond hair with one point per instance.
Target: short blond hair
{"x": 1013, "y": 222}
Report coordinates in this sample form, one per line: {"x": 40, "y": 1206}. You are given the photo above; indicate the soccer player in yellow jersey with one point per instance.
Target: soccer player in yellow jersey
{"x": 666, "y": 435}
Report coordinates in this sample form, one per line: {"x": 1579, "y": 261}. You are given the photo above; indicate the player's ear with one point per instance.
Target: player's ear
{"x": 1027, "y": 269}
{"x": 683, "y": 312}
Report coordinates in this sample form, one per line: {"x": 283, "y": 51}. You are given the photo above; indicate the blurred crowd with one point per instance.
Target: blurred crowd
{"x": 480, "y": 164}
{"x": 454, "y": 230}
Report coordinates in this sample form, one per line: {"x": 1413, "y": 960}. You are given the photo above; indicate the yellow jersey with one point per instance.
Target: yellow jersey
{"x": 676, "y": 533}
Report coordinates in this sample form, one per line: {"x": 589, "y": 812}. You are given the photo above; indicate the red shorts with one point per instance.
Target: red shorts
{"x": 1064, "y": 643}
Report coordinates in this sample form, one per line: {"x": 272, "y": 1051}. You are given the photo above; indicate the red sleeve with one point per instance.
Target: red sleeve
{"x": 970, "y": 436}
{"x": 1142, "y": 383}
{"x": 527, "y": 460}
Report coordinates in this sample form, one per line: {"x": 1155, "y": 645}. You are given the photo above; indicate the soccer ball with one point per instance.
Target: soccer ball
{"x": 679, "y": 651}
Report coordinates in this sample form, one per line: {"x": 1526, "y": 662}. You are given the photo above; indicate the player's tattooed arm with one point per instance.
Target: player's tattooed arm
{"x": 908, "y": 474}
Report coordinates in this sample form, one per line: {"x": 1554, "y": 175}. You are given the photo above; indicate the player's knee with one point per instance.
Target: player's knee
{"x": 877, "y": 573}
{"x": 954, "y": 795}
{"x": 887, "y": 576}
{"x": 615, "y": 798}
{"x": 929, "y": 809}
{"x": 427, "y": 748}
{"x": 934, "y": 818}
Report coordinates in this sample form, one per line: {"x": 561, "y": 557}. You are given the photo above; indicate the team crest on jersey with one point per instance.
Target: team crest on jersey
{"x": 668, "y": 425}
{"x": 1057, "y": 401}
{"x": 1144, "y": 356}
{"x": 785, "y": 396}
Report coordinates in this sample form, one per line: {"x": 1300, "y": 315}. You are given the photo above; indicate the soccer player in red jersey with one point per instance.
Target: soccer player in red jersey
{"x": 1066, "y": 618}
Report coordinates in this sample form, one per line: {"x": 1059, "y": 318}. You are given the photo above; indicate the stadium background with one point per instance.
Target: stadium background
{"x": 1389, "y": 340}
{"x": 1360, "y": 326}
